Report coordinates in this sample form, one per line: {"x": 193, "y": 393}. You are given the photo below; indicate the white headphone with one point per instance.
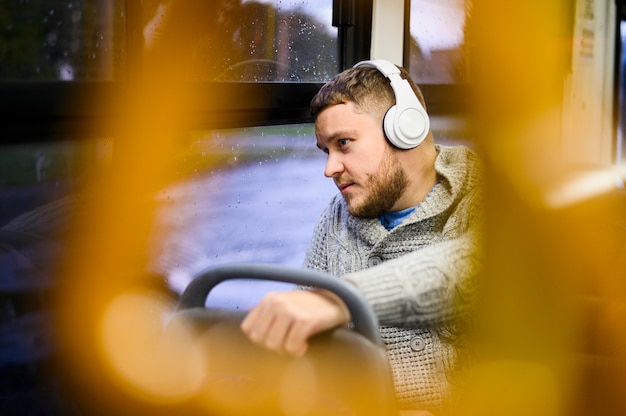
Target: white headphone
{"x": 406, "y": 124}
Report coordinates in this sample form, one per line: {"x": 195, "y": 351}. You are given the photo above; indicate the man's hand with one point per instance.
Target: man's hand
{"x": 283, "y": 322}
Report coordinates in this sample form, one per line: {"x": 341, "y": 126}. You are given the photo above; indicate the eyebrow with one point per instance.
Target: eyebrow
{"x": 341, "y": 134}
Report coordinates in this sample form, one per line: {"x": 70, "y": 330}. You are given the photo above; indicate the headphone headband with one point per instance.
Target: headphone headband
{"x": 406, "y": 123}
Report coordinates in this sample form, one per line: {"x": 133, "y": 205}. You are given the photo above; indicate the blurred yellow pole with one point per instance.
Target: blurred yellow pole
{"x": 547, "y": 270}
{"x": 106, "y": 307}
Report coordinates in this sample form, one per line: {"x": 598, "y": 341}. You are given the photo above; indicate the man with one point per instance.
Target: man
{"x": 404, "y": 229}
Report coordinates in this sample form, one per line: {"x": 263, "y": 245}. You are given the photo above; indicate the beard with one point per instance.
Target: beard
{"x": 385, "y": 187}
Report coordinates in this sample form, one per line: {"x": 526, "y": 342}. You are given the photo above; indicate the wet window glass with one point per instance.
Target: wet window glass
{"x": 32, "y": 175}
{"x": 244, "y": 195}
{"x": 244, "y": 40}
{"x": 230, "y": 40}
{"x": 37, "y": 189}
{"x": 62, "y": 40}
{"x": 437, "y": 49}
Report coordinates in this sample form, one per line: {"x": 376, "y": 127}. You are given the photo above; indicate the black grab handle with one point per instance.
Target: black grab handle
{"x": 363, "y": 318}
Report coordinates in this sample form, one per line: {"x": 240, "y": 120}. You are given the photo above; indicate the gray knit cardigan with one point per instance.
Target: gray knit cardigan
{"x": 419, "y": 277}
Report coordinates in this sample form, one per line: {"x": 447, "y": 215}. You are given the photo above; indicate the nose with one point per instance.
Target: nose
{"x": 334, "y": 166}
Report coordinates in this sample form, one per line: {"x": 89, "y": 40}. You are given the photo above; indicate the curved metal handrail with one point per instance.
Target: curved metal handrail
{"x": 363, "y": 317}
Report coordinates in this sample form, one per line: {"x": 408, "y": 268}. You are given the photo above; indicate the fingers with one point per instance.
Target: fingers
{"x": 296, "y": 340}
{"x": 283, "y": 322}
{"x": 275, "y": 325}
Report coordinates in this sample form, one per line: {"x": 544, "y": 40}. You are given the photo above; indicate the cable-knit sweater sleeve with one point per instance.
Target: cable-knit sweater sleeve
{"x": 430, "y": 286}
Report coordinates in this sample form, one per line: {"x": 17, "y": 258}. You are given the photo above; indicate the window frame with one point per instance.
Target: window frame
{"x": 50, "y": 111}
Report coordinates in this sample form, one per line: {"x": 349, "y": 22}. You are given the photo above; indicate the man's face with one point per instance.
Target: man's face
{"x": 360, "y": 161}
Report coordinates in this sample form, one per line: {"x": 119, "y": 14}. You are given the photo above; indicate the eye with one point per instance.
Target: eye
{"x": 322, "y": 148}
{"x": 342, "y": 143}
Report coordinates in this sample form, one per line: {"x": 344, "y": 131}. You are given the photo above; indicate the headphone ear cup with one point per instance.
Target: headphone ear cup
{"x": 406, "y": 130}
{"x": 388, "y": 126}
{"x": 405, "y": 124}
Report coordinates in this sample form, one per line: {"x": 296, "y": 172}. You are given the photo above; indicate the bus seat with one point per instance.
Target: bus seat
{"x": 344, "y": 372}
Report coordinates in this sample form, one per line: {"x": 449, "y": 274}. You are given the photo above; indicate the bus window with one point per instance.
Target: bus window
{"x": 54, "y": 40}
{"x": 35, "y": 174}
{"x": 37, "y": 188}
{"x": 88, "y": 40}
{"x": 437, "y": 41}
{"x": 265, "y": 40}
{"x": 244, "y": 195}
